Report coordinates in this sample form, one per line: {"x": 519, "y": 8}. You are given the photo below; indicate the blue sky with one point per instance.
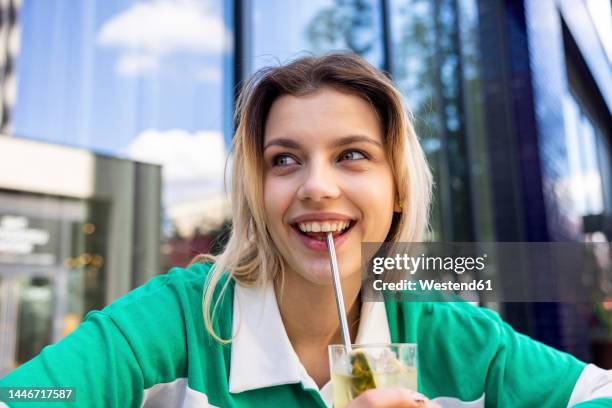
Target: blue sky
{"x": 78, "y": 90}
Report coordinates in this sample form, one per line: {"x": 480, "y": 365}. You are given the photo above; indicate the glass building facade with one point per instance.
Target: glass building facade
{"x": 511, "y": 101}
{"x": 77, "y": 230}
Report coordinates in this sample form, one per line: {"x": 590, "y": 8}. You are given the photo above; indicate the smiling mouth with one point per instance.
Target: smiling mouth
{"x": 319, "y": 231}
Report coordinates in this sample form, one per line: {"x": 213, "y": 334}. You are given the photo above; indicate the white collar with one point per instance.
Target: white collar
{"x": 262, "y": 355}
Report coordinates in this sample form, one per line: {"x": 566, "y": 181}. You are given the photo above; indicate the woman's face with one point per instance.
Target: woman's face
{"x": 325, "y": 168}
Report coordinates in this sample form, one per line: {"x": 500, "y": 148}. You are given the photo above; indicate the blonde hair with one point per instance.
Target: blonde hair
{"x": 250, "y": 256}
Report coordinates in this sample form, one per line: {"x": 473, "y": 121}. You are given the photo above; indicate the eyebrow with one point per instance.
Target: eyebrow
{"x": 346, "y": 140}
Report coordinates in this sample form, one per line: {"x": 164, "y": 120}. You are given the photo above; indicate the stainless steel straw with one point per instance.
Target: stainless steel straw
{"x": 346, "y": 338}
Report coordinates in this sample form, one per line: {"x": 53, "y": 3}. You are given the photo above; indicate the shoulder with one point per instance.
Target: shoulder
{"x": 168, "y": 305}
{"x": 462, "y": 319}
{"x": 173, "y": 299}
{"x": 177, "y": 285}
{"x": 465, "y": 314}
{"x": 193, "y": 276}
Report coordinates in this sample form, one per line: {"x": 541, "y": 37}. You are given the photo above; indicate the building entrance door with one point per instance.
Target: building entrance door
{"x": 36, "y": 244}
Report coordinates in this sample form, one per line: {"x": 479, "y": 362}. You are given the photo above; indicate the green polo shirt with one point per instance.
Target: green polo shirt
{"x": 150, "y": 348}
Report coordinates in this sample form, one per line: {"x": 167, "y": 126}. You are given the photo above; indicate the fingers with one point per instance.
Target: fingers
{"x": 392, "y": 398}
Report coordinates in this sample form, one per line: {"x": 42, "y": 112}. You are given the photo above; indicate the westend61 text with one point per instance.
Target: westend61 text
{"x": 430, "y": 284}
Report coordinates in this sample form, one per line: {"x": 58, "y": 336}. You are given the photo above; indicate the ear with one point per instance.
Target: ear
{"x": 397, "y": 207}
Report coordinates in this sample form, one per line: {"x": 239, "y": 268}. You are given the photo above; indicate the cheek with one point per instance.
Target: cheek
{"x": 377, "y": 191}
{"x": 276, "y": 202}
{"x": 376, "y": 200}
{"x": 379, "y": 221}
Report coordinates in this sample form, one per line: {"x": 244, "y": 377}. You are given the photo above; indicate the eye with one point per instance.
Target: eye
{"x": 281, "y": 160}
{"x": 352, "y": 155}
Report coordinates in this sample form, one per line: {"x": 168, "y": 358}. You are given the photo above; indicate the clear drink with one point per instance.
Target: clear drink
{"x": 388, "y": 365}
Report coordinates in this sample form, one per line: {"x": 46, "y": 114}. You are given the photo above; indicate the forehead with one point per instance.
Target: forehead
{"x": 322, "y": 115}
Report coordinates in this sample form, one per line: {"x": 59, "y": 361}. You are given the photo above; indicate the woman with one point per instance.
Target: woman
{"x": 322, "y": 144}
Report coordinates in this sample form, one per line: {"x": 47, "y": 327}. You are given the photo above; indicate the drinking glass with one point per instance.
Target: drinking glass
{"x": 371, "y": 366}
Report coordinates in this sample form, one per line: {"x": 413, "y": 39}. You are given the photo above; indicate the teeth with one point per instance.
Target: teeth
{"x": 323, "y": 226}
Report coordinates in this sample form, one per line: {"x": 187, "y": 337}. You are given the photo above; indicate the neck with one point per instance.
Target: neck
{"x": 310, "y": 314}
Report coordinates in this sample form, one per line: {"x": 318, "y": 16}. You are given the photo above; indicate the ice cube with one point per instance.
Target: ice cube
{"x": 387, "y": 363}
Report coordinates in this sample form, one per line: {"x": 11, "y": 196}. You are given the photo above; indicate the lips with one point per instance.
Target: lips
{"x": 317, "y": 241}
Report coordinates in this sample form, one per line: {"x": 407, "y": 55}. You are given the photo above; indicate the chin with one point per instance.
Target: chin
{"x": 322, "y": 275}
{"x": 319, "y": 275}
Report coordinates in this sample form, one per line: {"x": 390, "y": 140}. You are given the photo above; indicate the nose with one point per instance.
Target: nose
{"x": 319, "y": 183}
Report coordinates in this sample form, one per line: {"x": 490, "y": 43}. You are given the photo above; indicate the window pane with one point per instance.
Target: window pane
{"x": 584, "y": 172}
{"x": 426, "y": 65}
{"x": 316, "y": 27}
